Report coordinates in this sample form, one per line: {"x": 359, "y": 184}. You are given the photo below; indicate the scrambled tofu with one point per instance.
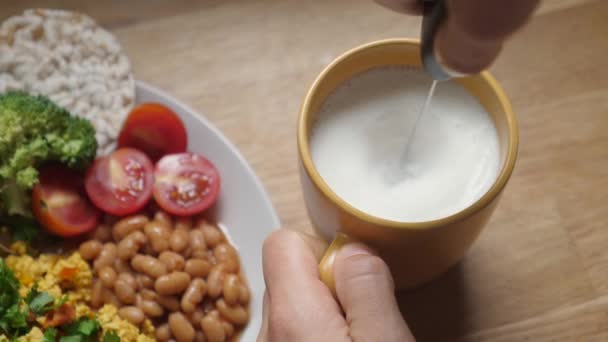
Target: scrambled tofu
{"x": 73, "y": 277}
{"x": 57, "y": 276}
{"x": 35, "y": 335}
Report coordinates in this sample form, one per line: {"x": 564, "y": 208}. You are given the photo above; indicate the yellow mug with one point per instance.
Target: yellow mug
{"x": 414, "y": 252}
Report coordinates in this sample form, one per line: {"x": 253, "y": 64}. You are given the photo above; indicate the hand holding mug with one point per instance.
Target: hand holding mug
{"x": 299, "y": 307}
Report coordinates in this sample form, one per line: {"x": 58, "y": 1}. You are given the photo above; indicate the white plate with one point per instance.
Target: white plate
{"x": 243, "y": 208}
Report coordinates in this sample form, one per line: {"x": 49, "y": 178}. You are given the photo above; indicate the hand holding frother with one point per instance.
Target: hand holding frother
{"x": 469, "y": 39}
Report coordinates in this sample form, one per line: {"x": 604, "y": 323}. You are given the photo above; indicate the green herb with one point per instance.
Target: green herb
{"x": 9, "y": 288}
{"x": 73, "y": 338}
{"x": 111, "y": 336}
{"x": 39, "y": 302}
{"x": 33, "y": 293}
{"x": 14, "y": 321}
{"x": 50, "y": 335}
{"x": 83, "y": 326}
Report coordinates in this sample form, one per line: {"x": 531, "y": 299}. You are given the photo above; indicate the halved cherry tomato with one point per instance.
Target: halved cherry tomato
{"x": 60, "y": 203}
{"x": 155, "y": 130}
{"x": 121, "y": 183}
{"x": 186, "y": 183}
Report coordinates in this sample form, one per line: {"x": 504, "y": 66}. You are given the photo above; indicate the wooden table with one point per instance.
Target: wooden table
{"x": 539, "y": 272}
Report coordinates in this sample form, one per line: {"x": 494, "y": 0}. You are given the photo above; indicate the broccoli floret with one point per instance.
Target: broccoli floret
{"x": 34, "y": 131}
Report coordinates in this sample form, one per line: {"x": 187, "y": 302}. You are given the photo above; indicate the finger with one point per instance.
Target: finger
{"x": 290, "y": 265}
{"x": 366, "y": 292}
{"x": 317, "y": 245}
{"x": 490, "y": 19}
{"x": 402, "y": 6}
{"x": 474, "y": 31}
{"x": 299, "y": 302}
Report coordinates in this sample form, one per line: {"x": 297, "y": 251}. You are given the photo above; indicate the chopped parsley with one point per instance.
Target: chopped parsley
{"x": 111, "y": 337}
{"x": 84, "y": 327}
{"x": 13, "y": 319}
{"x": 39, "y": 302}
{"x": 50, "y": 335}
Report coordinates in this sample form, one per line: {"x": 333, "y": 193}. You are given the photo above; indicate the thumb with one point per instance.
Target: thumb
{"x": 365, "y": 289}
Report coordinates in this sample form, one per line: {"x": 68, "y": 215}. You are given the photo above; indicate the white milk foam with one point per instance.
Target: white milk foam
{"x": 361, "y": 131}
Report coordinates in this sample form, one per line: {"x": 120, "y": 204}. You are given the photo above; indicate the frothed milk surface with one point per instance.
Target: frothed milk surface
{"x": 363, "y": 127}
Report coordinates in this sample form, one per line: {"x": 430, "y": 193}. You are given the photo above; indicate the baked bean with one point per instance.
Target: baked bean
{"x": 198, "y": 247}
{"x": 103, "y": 233}
{"x": 212, "y": 327}
{"x": 195, "y": 317}
{"x": 130, "y": 245}
{"x": 138, "y": 300}
{"x": 199, "y": 336}
{"x": 179, "y": 240}
{"x": 234, "y": 314}
{"x": 183, "y": 222}
{"x": 213, "y": 235}
{"x": 124, "y": 292}
{"x": 128, "y": 225}
{"x": 173, "y": 283}
{"x": 194, "y": 295}
{"x": 181, "y": 327}
{"x": 108, "y": 297}
{"x": 228, "y": 328}
{"x": 89, "y": 250}
{"x": 164, "y": 218}
{"x": 215, "y": 281}
{"x": 139, "y": 261}
{"x": 162, "y": 332}
{"x": 173, "y": 261}
{"x": 107, "y": 276}
{"x": 106, "y": 256}
{"x": 97, "y": 294}
{"x": 151, "y": 308}
{"x": 148, "y": 265}
{"x": 132, "y": 314}
{"x": 231, "y": 289}
{"x": 227, "y": 255}
{"x": 144, "y": 281}
{"x": 243, "y": 294}
{"x": 129, "y": 279}
{"x": 122, "y": 266}
{"x": 197, "y": 268}
{"x": 170, "y": 303}
{"x": 148, "y": 294}
{"x": 158, "y": 235}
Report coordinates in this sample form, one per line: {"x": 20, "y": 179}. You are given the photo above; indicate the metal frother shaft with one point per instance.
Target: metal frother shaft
{"x": 434, "y": 15}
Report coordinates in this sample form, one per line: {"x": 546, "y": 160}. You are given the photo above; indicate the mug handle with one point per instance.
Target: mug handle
{"x": 326, "y": 265}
